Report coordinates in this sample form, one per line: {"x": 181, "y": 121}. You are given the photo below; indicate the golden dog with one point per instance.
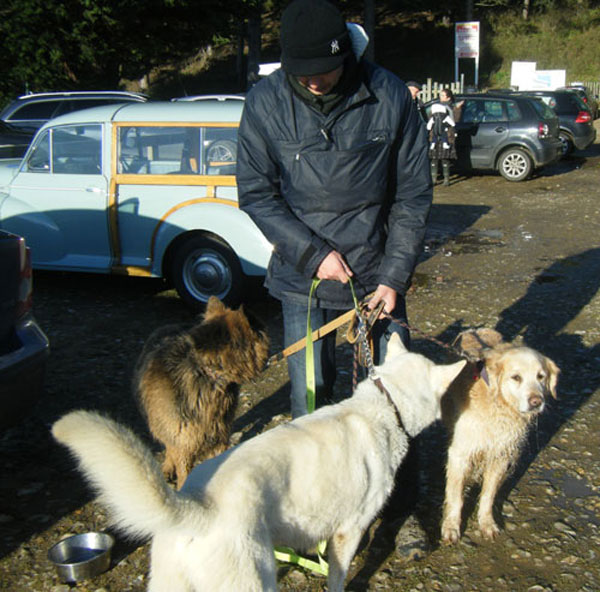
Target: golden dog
{"x": 187, "y": 381}
{"x": 487, "y": 411}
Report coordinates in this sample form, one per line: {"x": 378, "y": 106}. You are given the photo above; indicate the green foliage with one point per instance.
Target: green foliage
{"x": 565, "y": 38}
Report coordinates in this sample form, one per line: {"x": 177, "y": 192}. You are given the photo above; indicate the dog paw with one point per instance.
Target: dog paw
{"x": 450, "y": 535}
{"x": 489, "y": 529}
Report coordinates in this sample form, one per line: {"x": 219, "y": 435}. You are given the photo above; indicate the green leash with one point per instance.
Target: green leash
{"x": 286, "y": 554}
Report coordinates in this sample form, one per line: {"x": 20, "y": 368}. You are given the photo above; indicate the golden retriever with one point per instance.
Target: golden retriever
{"x": 487, "y": 411}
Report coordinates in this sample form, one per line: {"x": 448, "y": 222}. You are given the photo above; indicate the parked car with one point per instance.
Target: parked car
{"x": 30, "y": 112}
{"x": 587, "y": 96}
{"x": 13, "y": 143}
{"x": 144, "y": 189}
{"x": 511, "y": 134}
{"x": 24, "y": 347}
{"x": 577, "y": 129}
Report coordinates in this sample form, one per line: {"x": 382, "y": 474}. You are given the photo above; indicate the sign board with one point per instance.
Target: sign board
{"x": 466, "y": 45}
{"x": 466, "y": 40}
{"x": 524, "y": 76}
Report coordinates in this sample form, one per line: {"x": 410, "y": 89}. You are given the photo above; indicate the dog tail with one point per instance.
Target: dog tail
{"x": 123, "y": 472}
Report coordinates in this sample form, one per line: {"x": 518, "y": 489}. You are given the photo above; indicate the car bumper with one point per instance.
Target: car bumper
{"x": 585, "y": 138}
{"x": 547, "y": 153}
{"x": 22, "y": 373}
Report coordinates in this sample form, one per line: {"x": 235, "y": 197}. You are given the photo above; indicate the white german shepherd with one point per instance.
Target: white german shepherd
{"x": 320, "y": 477}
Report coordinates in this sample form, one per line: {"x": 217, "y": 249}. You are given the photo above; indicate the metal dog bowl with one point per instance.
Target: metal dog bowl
{"x": 82, "y": 556}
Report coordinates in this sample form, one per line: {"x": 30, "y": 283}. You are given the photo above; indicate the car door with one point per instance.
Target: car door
{"x": 58, "y": 200}
{"x": 483, "y": 127}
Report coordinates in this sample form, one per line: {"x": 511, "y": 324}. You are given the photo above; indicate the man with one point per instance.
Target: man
{"x": 333, "y": 168}
{"x": 415, "y": 88}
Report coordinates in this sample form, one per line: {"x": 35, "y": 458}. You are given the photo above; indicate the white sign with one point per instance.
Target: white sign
{"x": 524, "y": 76}
{"x": 466, "y": 40}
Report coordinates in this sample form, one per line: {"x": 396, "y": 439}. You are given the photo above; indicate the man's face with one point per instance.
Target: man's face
{"x": 321, "y": 84}
{"x": 414, "y": 91}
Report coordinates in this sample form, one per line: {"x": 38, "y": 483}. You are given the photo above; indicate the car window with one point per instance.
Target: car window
{"x": 69, "y": 149}
{"x": 542, "y": 109}
{"x": 158, "y": 150}
{"x": 38, "y": 160}
{"x": 472, "y": 111}
{"x": 77, "y": 149}
{"x": 513, "y": 111}
{"x": 37, "y": 110}
{"x": 493, "y": 112}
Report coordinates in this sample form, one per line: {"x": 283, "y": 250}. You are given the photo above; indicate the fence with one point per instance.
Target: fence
{"x": 431, "y": 90}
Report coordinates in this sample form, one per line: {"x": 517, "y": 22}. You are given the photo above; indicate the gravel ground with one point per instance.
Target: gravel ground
{"x": 521, "y": 257}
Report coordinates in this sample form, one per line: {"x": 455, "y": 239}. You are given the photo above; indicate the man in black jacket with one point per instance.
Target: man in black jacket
{"x": 333, "y": 168}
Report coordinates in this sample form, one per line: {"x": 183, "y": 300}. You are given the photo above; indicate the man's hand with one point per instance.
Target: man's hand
{"x": 383, "y": 294}
{"x": 333, "y": 267}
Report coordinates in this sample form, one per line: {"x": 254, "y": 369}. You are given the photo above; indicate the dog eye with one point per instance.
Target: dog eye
{"x": 541, "y": 376}
{"x": 516, "y": 377}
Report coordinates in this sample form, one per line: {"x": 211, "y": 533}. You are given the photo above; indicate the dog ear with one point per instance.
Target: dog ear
{"x": 395, "y": 346}
{"x": 553, "y": 372}
{"x": 214, "y": 306}
{"x": 444, "y": 375}
{"x": 472, "y": 344}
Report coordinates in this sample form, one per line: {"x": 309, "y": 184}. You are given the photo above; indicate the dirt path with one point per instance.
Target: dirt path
{"x": 521, "y": 257}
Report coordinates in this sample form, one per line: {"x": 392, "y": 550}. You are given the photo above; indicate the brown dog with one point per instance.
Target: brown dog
{"x": 187, "y": 381}
{"x": 487, "y": 411}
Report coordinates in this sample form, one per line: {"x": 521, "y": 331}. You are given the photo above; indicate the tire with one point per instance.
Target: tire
{"x": 222, "y": 151}
{"x": 204, "y": 267}
{"x": 515, "y": 165}
{"x": 566, "y": 143}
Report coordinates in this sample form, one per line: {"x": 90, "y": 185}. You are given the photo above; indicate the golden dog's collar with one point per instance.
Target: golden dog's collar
{"x": 481, "y": 372}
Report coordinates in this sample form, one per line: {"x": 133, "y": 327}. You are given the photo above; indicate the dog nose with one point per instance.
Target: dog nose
{"x": 535, "y": 401}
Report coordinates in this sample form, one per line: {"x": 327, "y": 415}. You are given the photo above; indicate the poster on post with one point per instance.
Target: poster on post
{"x": 466, "y": 45}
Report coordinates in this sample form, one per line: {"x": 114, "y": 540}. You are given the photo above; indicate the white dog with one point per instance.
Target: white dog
{"x": 488, "y": 412}
{"x": 323, "y": 476}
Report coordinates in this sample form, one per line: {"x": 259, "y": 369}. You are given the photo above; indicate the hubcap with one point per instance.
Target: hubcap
{"x": 206, "y": 274}
{"x": 514, "y": 165}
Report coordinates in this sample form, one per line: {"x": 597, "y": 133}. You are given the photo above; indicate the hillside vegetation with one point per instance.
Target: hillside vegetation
{"x": 420, "y": 45}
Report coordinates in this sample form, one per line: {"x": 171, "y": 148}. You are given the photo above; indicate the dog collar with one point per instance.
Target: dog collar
{"x": 385, "y": 392}
{"x": 481, "y": 372}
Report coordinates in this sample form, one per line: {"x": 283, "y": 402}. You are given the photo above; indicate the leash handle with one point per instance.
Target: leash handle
{"x": 310, "y": 355}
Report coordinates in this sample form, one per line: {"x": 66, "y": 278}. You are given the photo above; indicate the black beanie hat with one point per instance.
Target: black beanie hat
{"x": 314, "y": 38}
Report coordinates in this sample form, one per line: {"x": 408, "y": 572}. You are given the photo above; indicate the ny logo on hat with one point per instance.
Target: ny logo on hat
{"x": 335, "y": 46}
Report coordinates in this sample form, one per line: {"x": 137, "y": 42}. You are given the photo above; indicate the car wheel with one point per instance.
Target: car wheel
{"x": 515, "y": 165}
{"x": 566, "y": 143}
{"x": 222, "y": 151}
{"x": 203, "y": 267}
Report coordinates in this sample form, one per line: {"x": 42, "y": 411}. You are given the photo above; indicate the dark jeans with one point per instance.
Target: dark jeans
{"x": 294, "y": 328}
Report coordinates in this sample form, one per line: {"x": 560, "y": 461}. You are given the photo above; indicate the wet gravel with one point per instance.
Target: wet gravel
{"x": 523, "y": 258}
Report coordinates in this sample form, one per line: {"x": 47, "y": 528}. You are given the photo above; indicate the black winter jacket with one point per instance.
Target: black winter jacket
{"x": 356, "y": 181}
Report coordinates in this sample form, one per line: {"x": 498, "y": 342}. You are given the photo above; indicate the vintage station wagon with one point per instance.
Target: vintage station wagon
{"x": 145, "y": 189}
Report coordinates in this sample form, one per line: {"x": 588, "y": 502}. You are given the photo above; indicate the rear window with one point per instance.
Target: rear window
{"x": 542, "y": 109}
{"x": 37, "y": 110}
{"x": 177, "y": 150}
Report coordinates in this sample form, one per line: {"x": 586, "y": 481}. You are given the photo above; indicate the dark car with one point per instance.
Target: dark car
{"x": 587, "y": 96}
{"x": 511, "y": 134}
{"x": 23, "y": 345}
{"x": 577, "y": 129}
{"x": 30, "y": 112}
{"x": 13, "y": 143}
